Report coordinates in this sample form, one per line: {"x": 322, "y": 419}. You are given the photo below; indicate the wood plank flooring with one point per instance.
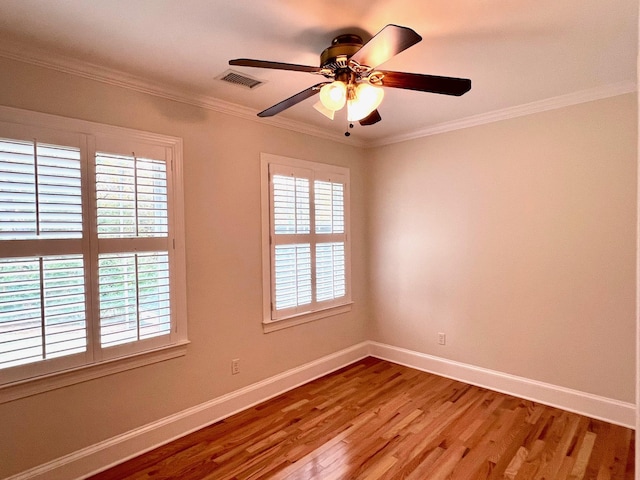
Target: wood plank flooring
{"x": 378, "y": 420}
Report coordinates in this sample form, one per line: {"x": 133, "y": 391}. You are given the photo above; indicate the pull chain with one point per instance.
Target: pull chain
{"x": 348, "y": 133}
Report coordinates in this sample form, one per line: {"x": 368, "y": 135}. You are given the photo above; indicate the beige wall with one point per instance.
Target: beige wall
{"x": 517, "y": 240}
{"x": 222, "y": 198}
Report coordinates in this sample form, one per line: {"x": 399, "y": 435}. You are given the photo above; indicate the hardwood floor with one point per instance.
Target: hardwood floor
{"x": 378, "y": 420}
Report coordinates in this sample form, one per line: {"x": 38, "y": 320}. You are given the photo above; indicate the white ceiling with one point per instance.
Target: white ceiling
{"x": 515, "y": 52}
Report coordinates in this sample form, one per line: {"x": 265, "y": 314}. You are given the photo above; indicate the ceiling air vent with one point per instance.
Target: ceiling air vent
{"x": 240, "y": 79}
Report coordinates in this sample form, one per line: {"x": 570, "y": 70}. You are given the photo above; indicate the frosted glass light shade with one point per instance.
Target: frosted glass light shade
{"x": 367, "y": 98}
{"x": 334, "y": 95}
{"x": 319, "y": 106}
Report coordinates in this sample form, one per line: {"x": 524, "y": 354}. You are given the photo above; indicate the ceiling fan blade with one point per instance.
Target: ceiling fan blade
{"x": 373, "y": 117}
{"x": 388, "y": 42}
{"x": 426, "y": 83}
{"x": 291, "y": 101}
{"x": 247, "y": 62}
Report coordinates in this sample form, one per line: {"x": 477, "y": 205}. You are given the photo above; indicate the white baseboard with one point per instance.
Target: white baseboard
{"x": 594, "y": 406}
{"x": 98, "y": 457}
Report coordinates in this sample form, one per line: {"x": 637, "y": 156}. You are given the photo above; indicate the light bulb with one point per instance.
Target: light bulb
{"x": 334, "y": 95}
{"x": 367, "y": 98}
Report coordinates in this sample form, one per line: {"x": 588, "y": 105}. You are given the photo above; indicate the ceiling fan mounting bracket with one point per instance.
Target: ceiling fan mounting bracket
{"x": 351, "y": 38}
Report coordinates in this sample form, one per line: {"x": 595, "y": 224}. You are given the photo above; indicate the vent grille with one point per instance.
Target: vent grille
{"x": 240, "y": 79}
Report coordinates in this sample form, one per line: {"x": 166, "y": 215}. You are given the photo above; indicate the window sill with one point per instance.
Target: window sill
{"x": 269, "y": 326}
{"x": 44, "y": 383}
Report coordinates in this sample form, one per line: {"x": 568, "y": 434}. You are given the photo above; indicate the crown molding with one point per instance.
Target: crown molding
{"x": 62, "y": 63}
{"x": 553, "y": 103}
{"x": 65, "y": 64}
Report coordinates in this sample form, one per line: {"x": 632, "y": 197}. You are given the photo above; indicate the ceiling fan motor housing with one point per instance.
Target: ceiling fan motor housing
{"x": 342, "y": 46}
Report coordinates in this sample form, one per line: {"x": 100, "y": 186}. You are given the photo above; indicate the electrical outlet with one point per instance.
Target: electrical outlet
{"x": 235, "y": 366}
{"x": 442, "y": 339}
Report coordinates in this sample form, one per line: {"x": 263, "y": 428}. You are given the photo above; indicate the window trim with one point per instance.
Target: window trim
{"x": 16, "y": 120}
{"x": 84, "y": 373}
{"x": 335, "y": 308}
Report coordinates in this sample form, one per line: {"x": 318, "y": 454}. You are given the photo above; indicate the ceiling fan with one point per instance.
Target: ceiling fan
{"x": 354, "y": 80}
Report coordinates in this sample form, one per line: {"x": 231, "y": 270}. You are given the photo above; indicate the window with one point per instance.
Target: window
{"x": 305, "y": 241}
{"x": 91, "y": 246}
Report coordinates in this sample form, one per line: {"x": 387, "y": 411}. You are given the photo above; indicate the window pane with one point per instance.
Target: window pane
{"x": 40, "y": 191}
{"x": 39, "y": 323}
{"x": 330, "y": 271}
{"x": 292, "y": 275}
{"x": 134, "y": 297}
{"x": 329, "y": 207}
{"x": 131, "y": 196}
{"x": 290, "y": 205}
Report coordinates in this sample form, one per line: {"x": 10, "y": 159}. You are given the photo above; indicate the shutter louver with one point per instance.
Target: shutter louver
{"x": 292, "y": 275}
{"x": 40, "y": 191}
{"x": 59, "y": 192}
{"x": 152, "y": 198}
{"x": 291, "y": 205}
{"x": 329, "y": 207}
{"x": 330, "y": 271}
{"x": 153, "y": 294}
{"x": 42, "y": 309}
{"x": 64, "y": 305}
{"x": 131, "y": 197}
{"x": 134, "y": 297}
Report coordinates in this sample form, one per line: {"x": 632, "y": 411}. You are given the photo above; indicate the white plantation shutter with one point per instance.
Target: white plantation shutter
{"x": 291, "y": 220}
{"x": 133, "y": 263}
{"x": 330, "y": 256}
{"x": 308, "y": 239}
{"x": 43, "y": 311}
{"x": 87, "y": 248}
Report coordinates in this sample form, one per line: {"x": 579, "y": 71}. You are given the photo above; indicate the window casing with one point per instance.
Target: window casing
{"x": 91, "y": 246}
{"x": 306, "y": 249}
